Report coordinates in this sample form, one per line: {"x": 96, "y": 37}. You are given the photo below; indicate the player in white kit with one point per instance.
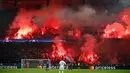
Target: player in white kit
{"x": 62, "y": 66}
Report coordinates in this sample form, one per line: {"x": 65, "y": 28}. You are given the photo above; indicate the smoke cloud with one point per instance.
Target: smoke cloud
{"x": 69, "y": 21}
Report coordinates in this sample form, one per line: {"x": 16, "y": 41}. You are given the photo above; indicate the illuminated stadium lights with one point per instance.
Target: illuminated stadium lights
{"x": 22, "y": 41}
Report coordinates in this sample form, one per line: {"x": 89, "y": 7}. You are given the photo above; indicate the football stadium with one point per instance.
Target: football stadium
{"x": 64, "y": 36}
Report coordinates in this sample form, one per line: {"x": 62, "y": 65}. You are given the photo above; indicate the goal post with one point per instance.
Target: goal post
{"x": 34, "y": 63}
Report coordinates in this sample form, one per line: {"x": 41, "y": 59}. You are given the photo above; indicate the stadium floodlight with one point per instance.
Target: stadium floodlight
{"x": 34, "y": 63}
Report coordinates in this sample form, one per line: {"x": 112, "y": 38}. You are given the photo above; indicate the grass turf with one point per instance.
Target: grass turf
{"x": 56, "y": 71}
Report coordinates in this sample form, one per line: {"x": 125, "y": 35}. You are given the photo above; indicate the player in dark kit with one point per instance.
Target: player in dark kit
{"x": 47, "y": 65}
{"x": 70, "y": 66}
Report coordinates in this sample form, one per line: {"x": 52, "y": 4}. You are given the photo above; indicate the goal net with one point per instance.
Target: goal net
{"x": 35, "y": 63}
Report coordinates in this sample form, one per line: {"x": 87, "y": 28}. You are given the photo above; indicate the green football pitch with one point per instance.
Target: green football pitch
{"x": 56, "y": 71}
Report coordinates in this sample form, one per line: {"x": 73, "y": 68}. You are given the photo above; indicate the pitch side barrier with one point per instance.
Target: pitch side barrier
{"x": 105, "y": 67}
{"x": 9, "y": 65}
{"x": 75, "y": 66}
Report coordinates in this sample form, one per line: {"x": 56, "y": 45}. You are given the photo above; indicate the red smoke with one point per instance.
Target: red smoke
{"x": 77, "y": 33}
{"x": 52, "y": 23}
{"x": 88, "y": 55}
{"x": 90, "y": 58}
{"x": 115, "y": 30}
{"x": 21, "y": 29}
{"x": 24, "y": 28}
{"x": 119, "y": 30}
{"x": 58, "y": 48}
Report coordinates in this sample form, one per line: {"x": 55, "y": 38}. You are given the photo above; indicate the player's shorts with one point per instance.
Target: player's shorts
{"x": 61, "y": 68}
{"x": 47, "y": 66}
